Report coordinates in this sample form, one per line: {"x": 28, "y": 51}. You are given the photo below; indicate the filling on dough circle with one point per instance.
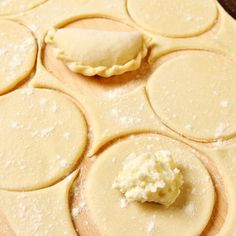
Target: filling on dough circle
{"x": 194, "y": 94}
{"x": 150, "y": 177}
{"x": 8, "y": 7}
{"x": 42, "y": 136}
{"x": 179, "y": 18}
{"x": 106, "y": 206}
{"x": 17, "y": 54}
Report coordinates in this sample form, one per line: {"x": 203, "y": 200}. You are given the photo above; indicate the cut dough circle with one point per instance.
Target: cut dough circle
{"x": 44, "y": 212}
{"x": 194, "y": 95}
{"x": 17, "y": 54}
{"x": 179, "y": 18}
{"x": 187, "y": 216}
{"x": 97, "y": 52}
{"x": 8, "y": 7}
{"x": 42, "y": 136}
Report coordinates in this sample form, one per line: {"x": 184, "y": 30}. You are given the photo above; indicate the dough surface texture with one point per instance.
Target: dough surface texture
{"x": 173, "y": 89}
{"x": 42, "y": 136}
{"x": 179, "y": 18}
{"x": 194, "y": 95}
{"x": 43, "y": 212}
{"x": 8, "y": 7}
{"x": 17, "y": 54}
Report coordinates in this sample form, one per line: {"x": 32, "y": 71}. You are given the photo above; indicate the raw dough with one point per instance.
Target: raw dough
{"x": 119, "y": 84}
{"x": 8, "y": 7}
{"x": 17, "y": 54}
{"x": 189, "y": 214}
{"x": 92, "y": 52}
{"x": 44, "y": 212}
{"x": 150, "y": 177}
{"x": 120, "y": 116}
{"x": 179, "y": 18}
{"x": 194, "y": 94}
{"x": 133, "y": 105}
{"x": 5, "y": 228}
{"x": 42, "y": 137}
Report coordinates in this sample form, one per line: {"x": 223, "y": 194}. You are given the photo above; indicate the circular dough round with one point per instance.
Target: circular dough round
{"x": 181, "y": 18}
{"x": 42, "y": 136}
{"x": 194, "y": 94}
{"x": 17, "y": 54}
{"x": 187, "y": 216}
{"x": 8, "y": 7}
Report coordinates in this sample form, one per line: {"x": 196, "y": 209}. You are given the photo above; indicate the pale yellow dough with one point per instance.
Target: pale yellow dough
{"x": 187, "y": 216}
{"x": 213, "y": 29}
{"x": 8, "y": 7}
{"x": 17, "y": 54}
{"x": 178, "y": 18}
{"x": 194, "y": 94}
{"x": 43, "y": 212}
{"x": 96, "y": 52}
{"x": 42, "y": 136}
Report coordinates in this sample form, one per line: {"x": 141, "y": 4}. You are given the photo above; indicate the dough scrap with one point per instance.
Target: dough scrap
{"x": 179, "y": 18}
{"x": 8, "y": 7}
{"x": 43, "y": 212}
{"x": 120, "y": 116}
{"x": 42, "y": 136}
{"x": 97, "y": 52}
{"x": 189, "y": 214}
{"x": 194, "y": 95}
{"x": 17, "y": 54}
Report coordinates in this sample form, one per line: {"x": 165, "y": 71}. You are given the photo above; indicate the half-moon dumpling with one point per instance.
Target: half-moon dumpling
{"x": 96, "y": 52}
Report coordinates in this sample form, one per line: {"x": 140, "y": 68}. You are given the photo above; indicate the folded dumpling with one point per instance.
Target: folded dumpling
{"x": 96, "y": 52}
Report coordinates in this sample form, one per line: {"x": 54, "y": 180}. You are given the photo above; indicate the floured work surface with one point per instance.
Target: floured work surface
{"x": 72, "y": 113}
